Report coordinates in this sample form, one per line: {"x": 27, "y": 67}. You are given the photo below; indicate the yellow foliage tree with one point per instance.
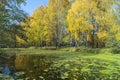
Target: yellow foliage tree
{"x": 55, "y": 19}
{"x": 35, "y": 30}
{"x": 91, "y": 17}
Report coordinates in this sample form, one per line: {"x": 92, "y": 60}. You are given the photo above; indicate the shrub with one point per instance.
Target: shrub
{"x": 116, "y": 51}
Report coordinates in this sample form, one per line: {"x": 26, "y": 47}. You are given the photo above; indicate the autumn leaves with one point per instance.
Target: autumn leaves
{"x": 86, "y": 22}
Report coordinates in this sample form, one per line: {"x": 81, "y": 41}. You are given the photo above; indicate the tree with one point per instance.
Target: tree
{"x": 10, "y": 13}
{"x": 91, "y": 20}
{"x": 35, "y": 31}
{"x": 56, "y": 19}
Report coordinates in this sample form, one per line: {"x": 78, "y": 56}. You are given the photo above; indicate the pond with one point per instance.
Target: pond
{"x": 44, "y": 67}
{"x": 28, "y": 67}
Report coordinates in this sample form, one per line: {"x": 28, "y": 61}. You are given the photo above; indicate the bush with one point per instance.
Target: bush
{"x": 106, "y": 50}
{"x": 86, "y": 50}
{"x": 116, "y": 51}
{"x": 90, "y": 50}
{"x": 112, "y": 43}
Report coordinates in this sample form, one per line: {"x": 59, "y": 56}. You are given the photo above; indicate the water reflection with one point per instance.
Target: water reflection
{"x": 27, "y": 67}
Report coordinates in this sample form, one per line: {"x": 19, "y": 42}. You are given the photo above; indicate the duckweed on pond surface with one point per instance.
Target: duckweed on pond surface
{"x": 41, "y": 67}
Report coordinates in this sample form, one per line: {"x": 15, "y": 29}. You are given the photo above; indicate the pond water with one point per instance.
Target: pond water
{"x": 26, "y": 67}
{"x": 44, "y": 67}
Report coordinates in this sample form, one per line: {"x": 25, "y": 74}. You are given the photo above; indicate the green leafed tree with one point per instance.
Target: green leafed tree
{"x": 10, "y": 14}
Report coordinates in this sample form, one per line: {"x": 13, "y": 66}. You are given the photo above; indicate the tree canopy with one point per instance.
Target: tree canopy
{"x": 89, "y": 23}
{"x": 10, "y": 15}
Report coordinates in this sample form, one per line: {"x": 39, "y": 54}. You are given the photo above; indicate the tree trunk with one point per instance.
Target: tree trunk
{"x": 93, "y": 37}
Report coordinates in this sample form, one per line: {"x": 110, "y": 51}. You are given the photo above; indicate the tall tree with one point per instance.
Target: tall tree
{"x": 35, "y": 30}
{"x": 10, "y": 13}
{"x": 91, "y": 20}
{"x": 57, "y": 11}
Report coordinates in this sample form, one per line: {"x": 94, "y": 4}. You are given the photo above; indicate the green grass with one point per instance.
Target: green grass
{"x": 68, "y": 53}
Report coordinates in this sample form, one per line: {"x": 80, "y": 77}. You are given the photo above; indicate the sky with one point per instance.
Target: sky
{"x": 31, "y": 5}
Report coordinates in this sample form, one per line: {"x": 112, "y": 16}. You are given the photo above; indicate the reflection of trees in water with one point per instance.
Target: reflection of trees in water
{"x": 33, "y": 66}
{"x": 30, "y": 66}
{"x": 7, "y": 59}
{"x": 20, "y": 62}
{"x": 7, "y": 67}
